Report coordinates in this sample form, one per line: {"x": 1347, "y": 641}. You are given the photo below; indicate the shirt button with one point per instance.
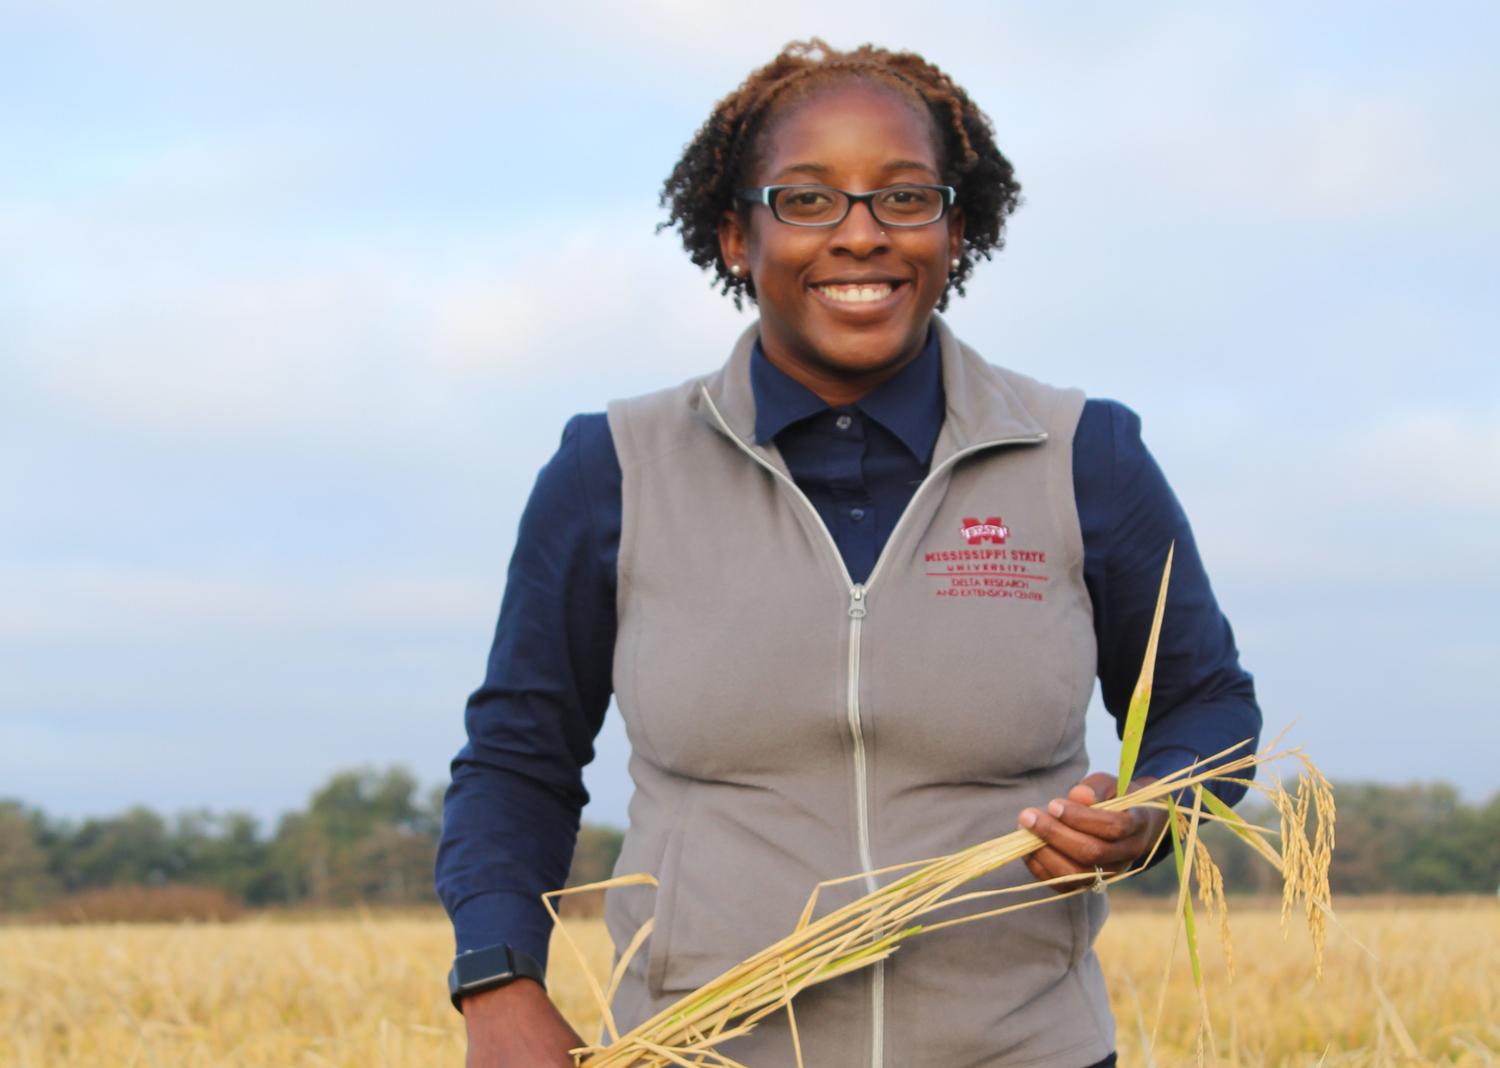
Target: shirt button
{"x": 843, "y": 422}
{"x": 856, "y": 514}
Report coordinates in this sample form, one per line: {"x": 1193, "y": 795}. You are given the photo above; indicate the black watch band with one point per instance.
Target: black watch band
{"x": 476, "y": 970}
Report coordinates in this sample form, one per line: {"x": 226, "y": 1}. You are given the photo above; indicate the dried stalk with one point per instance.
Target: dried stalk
{"x": 871, "y": 928}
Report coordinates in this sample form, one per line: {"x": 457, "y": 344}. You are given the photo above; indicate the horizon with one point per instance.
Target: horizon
{"x": 267, "y": 823}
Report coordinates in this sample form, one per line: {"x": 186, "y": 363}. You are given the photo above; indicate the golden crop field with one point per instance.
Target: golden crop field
{"x": 366, "y": 990}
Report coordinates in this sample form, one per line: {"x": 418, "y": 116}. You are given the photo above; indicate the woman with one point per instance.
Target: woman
{"x": 851, "y": 592}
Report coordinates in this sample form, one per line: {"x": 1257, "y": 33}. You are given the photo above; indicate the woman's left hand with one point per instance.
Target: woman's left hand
{"x": 1083, "y": 839}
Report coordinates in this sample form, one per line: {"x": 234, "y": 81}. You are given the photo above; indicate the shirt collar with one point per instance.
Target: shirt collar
{"x": 909, "y": 404}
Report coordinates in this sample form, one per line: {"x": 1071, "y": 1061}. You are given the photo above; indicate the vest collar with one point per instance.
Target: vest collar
{"x": 981, "y": 406}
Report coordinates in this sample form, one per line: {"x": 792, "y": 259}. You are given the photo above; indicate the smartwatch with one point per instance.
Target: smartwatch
{"x": 477, "y": 970}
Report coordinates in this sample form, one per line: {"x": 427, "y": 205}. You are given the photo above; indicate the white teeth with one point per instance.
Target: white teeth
{"x": 857, "y": 294}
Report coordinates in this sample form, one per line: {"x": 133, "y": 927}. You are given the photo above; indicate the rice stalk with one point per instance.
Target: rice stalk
{"x": 871, "y": 928}
{"x": 1211, "y": 895}
{"x": 1183, "y": 856}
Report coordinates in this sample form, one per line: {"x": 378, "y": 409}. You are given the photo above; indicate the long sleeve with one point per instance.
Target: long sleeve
{"x": 1202, "y": 701}
{"x": 510, "y": 815}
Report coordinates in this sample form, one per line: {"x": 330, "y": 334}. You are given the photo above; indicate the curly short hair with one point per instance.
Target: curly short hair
{"x": 714, "y": 164}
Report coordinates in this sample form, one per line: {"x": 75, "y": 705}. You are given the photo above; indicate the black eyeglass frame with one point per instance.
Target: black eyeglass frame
{"x": 766, "y": 194}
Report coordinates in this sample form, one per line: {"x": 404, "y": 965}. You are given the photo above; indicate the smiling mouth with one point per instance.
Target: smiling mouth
{"x": 858, "y": 293}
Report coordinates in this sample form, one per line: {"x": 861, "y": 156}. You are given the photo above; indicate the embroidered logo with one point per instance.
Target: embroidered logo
{"x": 989, "y": 571}
{"x": 992, "y": 529}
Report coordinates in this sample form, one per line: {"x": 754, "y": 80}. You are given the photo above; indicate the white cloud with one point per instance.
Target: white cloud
{"x": 577, "y": 304}
{"x": 1426, "y": 461}
{"x": 210, "y": 355}
{"x": 1335, "y": 509}
{"x": 169, "y": 296}
{"x": 96, "y": 601}
{"x": 155, "y": 337}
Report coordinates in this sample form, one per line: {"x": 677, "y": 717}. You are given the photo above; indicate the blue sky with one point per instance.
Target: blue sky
{"x": 296, "y": 297}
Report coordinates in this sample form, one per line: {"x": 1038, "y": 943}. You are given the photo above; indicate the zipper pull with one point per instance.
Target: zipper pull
{"x": 857, "y": 601}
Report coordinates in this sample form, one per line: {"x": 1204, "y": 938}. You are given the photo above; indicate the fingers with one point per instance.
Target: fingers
{"x": 1094, "y": 841}
{"x": 1080, "y": 838}
{"x": 1097, "y": 787}
{"x": 1095, "y": 822}
{"x": 1047, "y": 863}
{"x": 1100, "y": 786}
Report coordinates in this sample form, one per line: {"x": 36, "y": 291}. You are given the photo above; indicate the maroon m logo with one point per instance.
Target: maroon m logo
{"x": 992, "y": 529}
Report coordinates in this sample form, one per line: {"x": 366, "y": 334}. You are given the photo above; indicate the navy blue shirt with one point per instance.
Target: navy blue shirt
{"x": 859, "y": 465}
{"x": 510, "y": 818}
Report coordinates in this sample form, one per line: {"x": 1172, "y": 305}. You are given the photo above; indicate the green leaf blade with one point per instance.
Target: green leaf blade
{"x": 1140, "y": 698}
{"x": 1186, "y": 896}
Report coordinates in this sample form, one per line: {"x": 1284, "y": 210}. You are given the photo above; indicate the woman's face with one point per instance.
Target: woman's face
{"x": 857, "y": 138}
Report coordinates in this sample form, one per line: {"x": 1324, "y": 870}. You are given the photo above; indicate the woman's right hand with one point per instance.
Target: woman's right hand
{"x": 517, "y": 1026}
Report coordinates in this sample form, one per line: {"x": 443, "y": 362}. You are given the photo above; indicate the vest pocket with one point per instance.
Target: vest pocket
{"x": 1078, "y": 920}
{"x": 726, "y": 890}
{"x": 628, "y": 908}
{"x": 1087, "y": 913}
{"x": 659, "y": 945}
{"x": 688, "y": 944}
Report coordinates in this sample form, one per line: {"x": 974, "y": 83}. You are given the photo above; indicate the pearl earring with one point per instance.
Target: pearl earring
{"x": 954, "y": 263}
{"x": 736, "y": 270}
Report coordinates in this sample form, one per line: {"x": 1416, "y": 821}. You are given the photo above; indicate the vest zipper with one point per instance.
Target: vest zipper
{"x": 862, "y": 803}
{"x": 856, "y": 731}
{"x": 858, "y": 593}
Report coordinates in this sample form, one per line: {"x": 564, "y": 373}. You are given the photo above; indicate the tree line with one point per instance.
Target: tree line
{"x": 365, "y": 837}
{"x": 369, "y": 836}
{"x": 1420, "y": 838}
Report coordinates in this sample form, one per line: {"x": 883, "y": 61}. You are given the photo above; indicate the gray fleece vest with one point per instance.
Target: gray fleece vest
{"x": 789, "y": 726}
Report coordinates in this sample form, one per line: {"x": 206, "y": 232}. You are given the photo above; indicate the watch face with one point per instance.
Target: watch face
{"x": 492, "y": 962}
{"x": 485, "y": 969}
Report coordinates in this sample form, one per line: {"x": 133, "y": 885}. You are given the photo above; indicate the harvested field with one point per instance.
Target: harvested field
{"x": 361, "y": 989}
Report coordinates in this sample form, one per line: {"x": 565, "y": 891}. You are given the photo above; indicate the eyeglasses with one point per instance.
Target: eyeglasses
{"x": 823, "y": 205}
